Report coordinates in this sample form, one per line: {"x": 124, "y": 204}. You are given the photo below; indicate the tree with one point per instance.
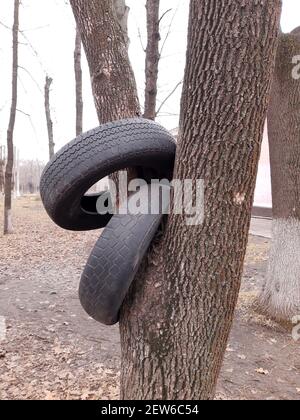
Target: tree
{"x": 48, "y": 84}
{"x": 280, "y": 298}
{"x": 10, "y": 131}
{"x": 2, "y": 165}
{"x": 176, "y": 320}
{"x": 152, "y": 58}
{"x": 78, "y": 83}
{"x": 113, "y": 82}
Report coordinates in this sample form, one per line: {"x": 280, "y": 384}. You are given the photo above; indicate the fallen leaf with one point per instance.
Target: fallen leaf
{"x": 262, "y": 371}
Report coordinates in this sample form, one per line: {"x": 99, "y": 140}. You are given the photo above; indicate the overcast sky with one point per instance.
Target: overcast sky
{"x": 49, "y": 27}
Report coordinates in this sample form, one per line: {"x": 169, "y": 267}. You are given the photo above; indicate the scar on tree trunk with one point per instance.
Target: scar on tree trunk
{"x": 280, "y": 297}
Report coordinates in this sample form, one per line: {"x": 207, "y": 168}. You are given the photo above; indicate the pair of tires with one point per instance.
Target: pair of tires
{"x": 122, "y": 245}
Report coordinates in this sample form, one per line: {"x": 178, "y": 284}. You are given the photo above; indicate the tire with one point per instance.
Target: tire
{"x": 95, "y": 155}
{"x": 115, "y": 259}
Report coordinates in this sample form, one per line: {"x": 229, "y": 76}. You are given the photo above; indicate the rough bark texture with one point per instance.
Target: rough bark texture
{"x": 152, "y": 58}
{"x": 10, "y": 131}
{"x": 122, "y": 12}
{"x": 177, "y": 318}
{"x": 78, "y": 83}
{"x": 280, "y": 297}
{"x": 112, "y": 77}
{"x": 51, "y": 144}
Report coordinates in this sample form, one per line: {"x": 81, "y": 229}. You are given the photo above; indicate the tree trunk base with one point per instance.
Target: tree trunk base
{"x": 8, "y": 228}
{"x": 280, "y": 298}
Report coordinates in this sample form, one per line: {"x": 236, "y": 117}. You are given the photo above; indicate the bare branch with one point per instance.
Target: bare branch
{"x": 32, "y": 78}
{"x": 168, "y": 31}
{"x": 168, "y": 97}
{"x": 5, "y": 26}
{"x": 141, "y": 40}
{"x": 34, "y": 51}
{"x": 38, "y": 28}
{"x": 24, "y": 113}
{"x": 163, "y": 15}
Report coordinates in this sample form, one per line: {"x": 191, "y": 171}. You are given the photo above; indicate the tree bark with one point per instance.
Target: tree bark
{"x": 176, "y": 320}
{"x": 2, "y": 166}
{"x": 48, "y": 84}
{"x": 12, "y": 119}
{"x": 122, "y": 12}
{"x": 112, "y": 77}
{"x": 280, "y": 297}
{"x": 152, "y": 58}
{"x": 78, "y": 83}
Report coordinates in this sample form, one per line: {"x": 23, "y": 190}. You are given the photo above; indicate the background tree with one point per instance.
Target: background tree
{"x": 152, "y": 58}
{"x": 78, "y": 83}
{"x": 280, "y": 298}
{"x": 51, "y": 144}
{"x": 10, "y": 131}
{"x": 2, "y": 165}
{"x": 176, "y": 321}
{"x": 113, "y": 82}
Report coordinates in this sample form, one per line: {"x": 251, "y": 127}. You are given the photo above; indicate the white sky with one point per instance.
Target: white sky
{"x": 49, "y": 26}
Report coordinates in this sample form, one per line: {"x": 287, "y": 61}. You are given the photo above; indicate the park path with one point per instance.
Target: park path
{"x": 49, "y": 348}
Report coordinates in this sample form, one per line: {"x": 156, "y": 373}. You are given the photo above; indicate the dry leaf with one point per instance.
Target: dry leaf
{"x": 262, "y": 371}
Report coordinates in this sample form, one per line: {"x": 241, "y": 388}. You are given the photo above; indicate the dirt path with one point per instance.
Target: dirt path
{"x": 52, "y": 349}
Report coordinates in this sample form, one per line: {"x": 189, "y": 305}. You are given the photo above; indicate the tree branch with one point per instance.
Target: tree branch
{"x": 163, "y": 15}
{"x": 32, "y": 78}
{"x": 169, "y": 31}
{"x": 168, "y": 97}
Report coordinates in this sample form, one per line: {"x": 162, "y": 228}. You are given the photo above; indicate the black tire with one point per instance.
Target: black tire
{"x": 95, "y": 155}
{"x": 115, "y": 259}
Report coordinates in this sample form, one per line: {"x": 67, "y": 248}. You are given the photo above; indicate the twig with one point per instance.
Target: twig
{"x": 141, "y": 41}
{"x": 32, "y": 78}
{"x": 24, "y": 113}
{"x": 5, "y": 26}
{"x": 169, "y": 31}
{"x": 164, "y": 14}
{"x": 168, "y": 97}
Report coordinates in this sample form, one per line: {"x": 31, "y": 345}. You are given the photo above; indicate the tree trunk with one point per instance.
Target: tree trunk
{"x": 2, "y": 165}
{"x": 78, "y": 82}
{"x": 176, "y": 321}
{"x": 280, "y": 298}
{"x": 152, "y": 58}
{"x": 10, "y": 131}
{"x": 112, "y": 77}
{"x": 48, "y": 116}
{"x": 122, "y": 12}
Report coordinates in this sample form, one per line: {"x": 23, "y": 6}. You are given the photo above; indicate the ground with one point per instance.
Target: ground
{"x": 53, "y": 350}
